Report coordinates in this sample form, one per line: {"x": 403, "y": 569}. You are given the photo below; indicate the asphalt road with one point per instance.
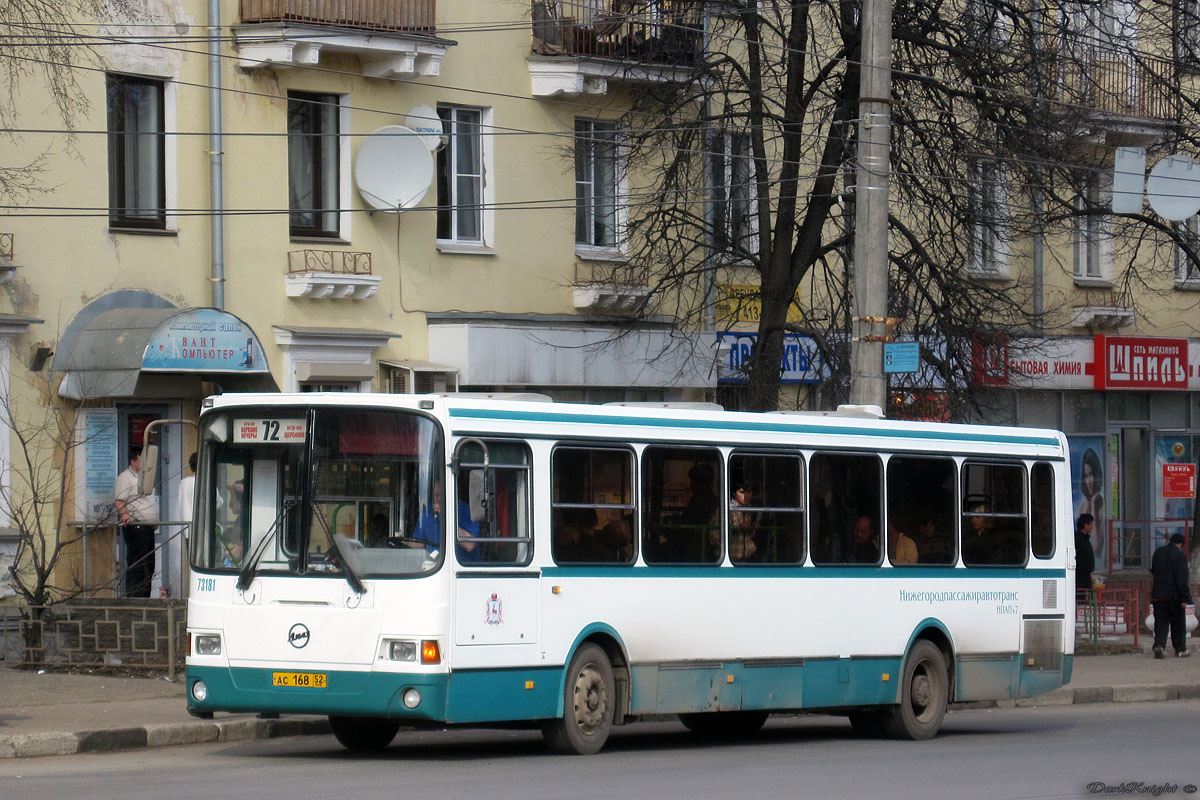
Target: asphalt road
{"x": 1062, "y": 752}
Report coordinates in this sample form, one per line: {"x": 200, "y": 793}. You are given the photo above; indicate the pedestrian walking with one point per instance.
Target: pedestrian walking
{"x": 1170, "y": 596}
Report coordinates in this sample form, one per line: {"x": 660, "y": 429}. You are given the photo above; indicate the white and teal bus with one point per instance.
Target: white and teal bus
{"x": 412, "y": 560}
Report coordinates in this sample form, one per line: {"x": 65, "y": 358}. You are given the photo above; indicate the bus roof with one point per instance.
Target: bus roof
{"x": 528, "y": 417}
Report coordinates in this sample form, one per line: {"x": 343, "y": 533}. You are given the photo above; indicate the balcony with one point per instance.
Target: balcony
{"x": 612, "y": 290}
{"x": 1128, "y": 95}
{"x": 330, "y": 274}
{"x": 392, "y": 38}
{"x": 1103, "y": 309}
{"x": 579, "y": 46}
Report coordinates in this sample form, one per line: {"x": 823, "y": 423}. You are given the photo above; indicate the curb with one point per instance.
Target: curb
{"x": 112, "y": 739}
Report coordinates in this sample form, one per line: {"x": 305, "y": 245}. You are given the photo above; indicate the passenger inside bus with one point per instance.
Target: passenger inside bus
{"x": 578, "y": 538}
{"x": 864, "y": 547}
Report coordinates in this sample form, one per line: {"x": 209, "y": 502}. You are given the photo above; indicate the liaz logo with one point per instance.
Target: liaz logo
{"x": 298, "y": 635}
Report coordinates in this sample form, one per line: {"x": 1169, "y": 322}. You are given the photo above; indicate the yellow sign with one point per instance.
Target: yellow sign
{"x": 741, "y": 302}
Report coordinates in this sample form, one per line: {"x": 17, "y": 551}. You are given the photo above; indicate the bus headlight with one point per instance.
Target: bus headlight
{"x": 199, "y": 691}
{"x": 402, "y": 651}
{"x": 208, "y": 644}
{"x": 412, "y": 698}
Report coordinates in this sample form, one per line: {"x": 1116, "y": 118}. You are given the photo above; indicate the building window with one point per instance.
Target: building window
{"x": 596, "y": 183}
{"x": 1187, "y": 36}
{"x": 460, "y": 184}
{"x": 136, "y": 153}
{"x": 1187, "y": 253}
{"x": 989, "y": 23}
{"x": 1093, "y": 231}
{"x": 734, "y": 221}
{"x": 314, "y": 170}
{"x": 987, "y": 198}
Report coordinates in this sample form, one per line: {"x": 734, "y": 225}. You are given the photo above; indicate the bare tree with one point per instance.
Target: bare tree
{"x": 46, "y": 42}
{"x": 1002, "y": 130}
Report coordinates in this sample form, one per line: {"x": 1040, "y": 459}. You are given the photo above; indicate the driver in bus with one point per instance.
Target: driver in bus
{"x": 428, "y": 532}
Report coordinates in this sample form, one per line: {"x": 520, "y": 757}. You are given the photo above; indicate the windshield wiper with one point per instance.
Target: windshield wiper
{"x": 355, "y": 583}
{"x": 250, "y": 569}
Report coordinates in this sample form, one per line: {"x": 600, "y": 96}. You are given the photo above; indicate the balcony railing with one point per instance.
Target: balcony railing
{"x": 1127, "y": 84}
{"x": 330, "y": 274}
{"x": 343, "y": 262}
{"x": 412, "y": 16}
{"x": 647, "y": 31}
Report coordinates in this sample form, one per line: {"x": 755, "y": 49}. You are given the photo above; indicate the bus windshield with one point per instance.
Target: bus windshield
{"x": 344, "y": 492}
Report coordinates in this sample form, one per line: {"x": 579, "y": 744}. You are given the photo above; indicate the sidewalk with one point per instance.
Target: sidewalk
{"x": 59, "y": 714}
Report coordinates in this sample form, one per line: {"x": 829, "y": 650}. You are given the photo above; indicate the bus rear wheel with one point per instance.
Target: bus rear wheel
{"x": 364, "y": 734}
{"x": 731, "y": 724}
{"x": 588, "y": 696}
{"x": 924, "y": 692}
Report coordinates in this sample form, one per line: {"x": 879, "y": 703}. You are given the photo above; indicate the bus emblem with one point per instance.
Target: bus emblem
{"x": 494, "y": 613}
{"x": 298, "y": 635}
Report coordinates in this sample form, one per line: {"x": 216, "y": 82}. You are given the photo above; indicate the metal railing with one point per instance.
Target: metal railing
{"x": 407, "y": 16}
{"x": 342, "y": 262}
{"x": 134, "y": 634}
{"x": 1123, "y": 83}
{"x": 651, "y": 31}
{"x": 1107, "y": 614}
{"x": 1131, "y": 542}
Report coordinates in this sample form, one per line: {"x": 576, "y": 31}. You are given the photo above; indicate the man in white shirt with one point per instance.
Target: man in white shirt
{"x": 137, "y": 514}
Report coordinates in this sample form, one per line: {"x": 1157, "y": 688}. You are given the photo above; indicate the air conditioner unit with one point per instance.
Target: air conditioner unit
{"x": 412, "y": 377}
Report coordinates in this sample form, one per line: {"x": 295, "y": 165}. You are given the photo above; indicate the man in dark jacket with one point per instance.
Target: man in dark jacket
{"x": 1085, "y": 556}
{"x": 1170, "y": 595}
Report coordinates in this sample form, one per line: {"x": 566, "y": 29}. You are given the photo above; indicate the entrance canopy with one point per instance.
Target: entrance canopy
{"x": 160, "y": 352}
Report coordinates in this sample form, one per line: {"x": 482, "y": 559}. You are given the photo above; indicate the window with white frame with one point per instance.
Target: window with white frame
{"x": 596, "y": 183}
{"x": 1093, "y": 251}
{"x": 314, "y": 164}
{"x": 989, "y": 22}
{"x": 136, "y": 152}
{"x": 735, "y": 230}
{"x": 987, "y": 199}
{"x": 1187, "y": 253}
{"x": 1187, "y": 32}
{"x": 461, "y": 199}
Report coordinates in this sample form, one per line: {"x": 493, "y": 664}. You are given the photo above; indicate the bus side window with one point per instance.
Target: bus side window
{"x": 681, "y": 505}
{"x": 592, "y": 500}
{"x": 766, "y": 509}
{"x": 847, "y": 492}
{"x": 1042, "y": 508}
{"x": 994, "y": 521}
{"x": 920, "y": 503}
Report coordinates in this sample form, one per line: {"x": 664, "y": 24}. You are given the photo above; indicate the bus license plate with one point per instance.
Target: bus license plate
{"x": 303, "y": 680}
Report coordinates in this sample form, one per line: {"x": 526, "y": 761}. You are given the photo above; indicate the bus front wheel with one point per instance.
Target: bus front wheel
{"x": 587, "y": 705}
{"x": 924, "y": 692}
{"x": 364, "y": 734}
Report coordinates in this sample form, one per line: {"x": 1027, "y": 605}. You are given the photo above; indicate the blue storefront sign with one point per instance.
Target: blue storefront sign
{"x": 204, "y": 340}
{"x": 800, "y": 364}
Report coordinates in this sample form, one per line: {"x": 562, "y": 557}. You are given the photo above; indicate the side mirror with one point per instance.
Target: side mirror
{"x": 148, "y": 474}
{"x": 480, "y": 488}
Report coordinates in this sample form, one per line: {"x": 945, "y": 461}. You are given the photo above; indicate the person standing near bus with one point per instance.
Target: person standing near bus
{"x": 1085, "y": 557}
{"x": 137, "y": 514}
{"x": 1170, "y": 595}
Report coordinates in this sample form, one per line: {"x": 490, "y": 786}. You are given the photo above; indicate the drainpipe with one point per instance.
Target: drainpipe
{"x": 1038, "y": 262}
{"x": 215, "y": 145}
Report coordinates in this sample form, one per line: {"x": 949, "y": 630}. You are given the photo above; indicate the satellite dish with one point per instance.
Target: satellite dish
{"x": 1174, "y": 187}
{"x": 393, "y": 169}
{"x": 425, "y": 121}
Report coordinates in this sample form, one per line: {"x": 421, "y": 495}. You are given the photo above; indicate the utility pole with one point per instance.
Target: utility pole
{"x": 871, "y": 327}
